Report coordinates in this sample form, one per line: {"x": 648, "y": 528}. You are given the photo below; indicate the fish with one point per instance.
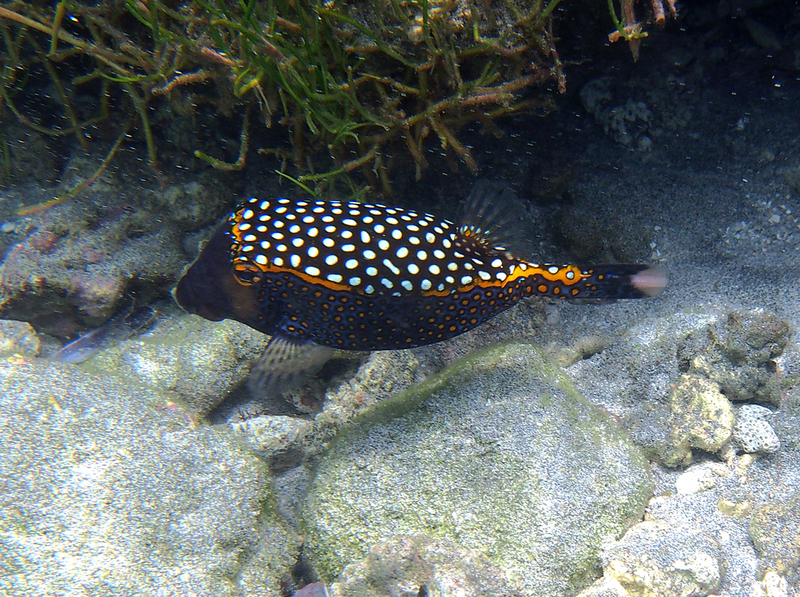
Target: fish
{"x": 316, "y": 589}
{"x": 117, "y": 329}
{"x": 319, "y": 275}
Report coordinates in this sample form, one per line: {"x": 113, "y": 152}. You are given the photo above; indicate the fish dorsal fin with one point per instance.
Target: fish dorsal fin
{"x": 489, "y": 215}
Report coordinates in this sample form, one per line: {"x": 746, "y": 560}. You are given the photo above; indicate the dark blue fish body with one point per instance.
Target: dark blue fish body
{"x": 360, "y": 276}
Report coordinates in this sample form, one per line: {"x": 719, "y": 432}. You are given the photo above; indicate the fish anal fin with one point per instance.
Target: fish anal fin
{"x": 284, "y": 364}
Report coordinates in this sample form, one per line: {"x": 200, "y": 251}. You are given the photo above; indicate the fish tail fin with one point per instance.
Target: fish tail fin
{"x": 622, "y": 281}
{"x": 600, "y": 282}
{"x": 284, "y": 365}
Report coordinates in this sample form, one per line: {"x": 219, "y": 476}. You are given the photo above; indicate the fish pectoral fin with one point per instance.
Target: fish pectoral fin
{"x": 285, "y": 364}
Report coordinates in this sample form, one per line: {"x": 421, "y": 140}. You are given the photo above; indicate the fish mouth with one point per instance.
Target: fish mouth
{"x": 198, "y": 290}
{"x": 186, "y": 297}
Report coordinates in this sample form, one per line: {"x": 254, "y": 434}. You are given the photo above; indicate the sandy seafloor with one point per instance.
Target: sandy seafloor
{"x": 713, "y": 195}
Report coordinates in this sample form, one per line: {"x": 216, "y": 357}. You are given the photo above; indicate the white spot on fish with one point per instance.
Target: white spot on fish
{"x": 391, "y": 266}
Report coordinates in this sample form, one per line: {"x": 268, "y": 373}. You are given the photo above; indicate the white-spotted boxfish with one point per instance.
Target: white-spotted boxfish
{"x": 364, "y": 276}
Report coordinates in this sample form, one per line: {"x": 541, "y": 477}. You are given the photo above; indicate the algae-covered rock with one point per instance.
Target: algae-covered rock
{"x": 656, "y": 558}
{"x": 701, "y": 418}
{"x": 670, "y": 380}
{"x": 110, "y": 490}
{"x": 775, "y": 531}
{"x": 604, "y": 587}
{"x": 18, "y": 337}
{"x": 498, "y": 453}
{"x": 278, "y": 440}
{"x": 200, "y": 361}
{"x": 419, "y": 564}
{"x": 738, "y": 353}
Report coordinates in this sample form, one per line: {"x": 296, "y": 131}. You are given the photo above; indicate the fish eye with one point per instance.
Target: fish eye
{"x": 247, "y": 274}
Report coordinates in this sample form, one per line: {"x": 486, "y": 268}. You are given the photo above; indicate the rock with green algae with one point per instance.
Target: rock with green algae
{"x": 657, "y": 558}
{"x": 604, "y": 587}
{"x": 199, "y": 361}
{"x": 737, "y": 352}
{"x": 701, "y": 417}
{"x": 498, "y": 453}
{"x": 405, "y": 564}
{"x": 18, "y": 337}
{"x": 109, "y": 489}
{"x": 670, "y": 379}
{"x": 775, "y": 531}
